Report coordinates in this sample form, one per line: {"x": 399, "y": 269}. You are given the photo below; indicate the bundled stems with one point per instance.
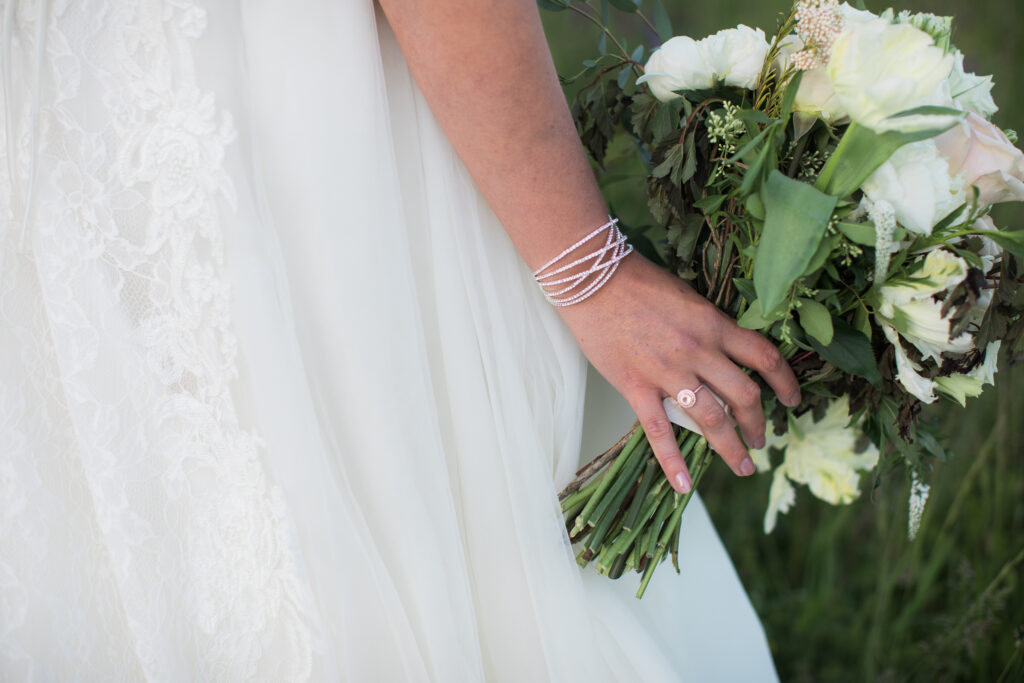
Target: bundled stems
{"x": 626, "y": 516}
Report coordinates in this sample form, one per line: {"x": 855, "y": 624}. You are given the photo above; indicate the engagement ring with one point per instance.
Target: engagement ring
{"x": 688, "y": 397}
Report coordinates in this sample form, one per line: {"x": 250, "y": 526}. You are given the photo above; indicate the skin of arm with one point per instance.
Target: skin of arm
{"x": 485, "y": 70}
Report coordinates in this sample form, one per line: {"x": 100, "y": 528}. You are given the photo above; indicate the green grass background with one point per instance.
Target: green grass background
{"x": 842, "y": 593}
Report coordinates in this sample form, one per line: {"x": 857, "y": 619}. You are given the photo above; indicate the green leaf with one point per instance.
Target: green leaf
{"x": 821, "y": 255}
{"x": 858, "y": 233}
{"x": 790, "y": 96}
{"x": 626, "y": 5}
{"x": 710, "y": 204}
{"x": 850, "y": 352}
{"x": 796, "y": 216}
{"x": 745, "y": 287}
{"x": 862, "y": 322}
{"x": 860, "y": 152}
{"x": 816, "y": 320}
{"x": 638, "y": 53}
{"x": 553, "y": 5}
{"x": 662, "y": 22}
{"x": 754, "y": 319}
{"x": 1012, "y": 242}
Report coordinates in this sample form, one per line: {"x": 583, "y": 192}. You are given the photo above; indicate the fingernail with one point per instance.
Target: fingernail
{"x": 683, "y": 482}
{"x": 758, "y": 443}
{"x": 795, "y": 399}
{"x": 747, "y": 467}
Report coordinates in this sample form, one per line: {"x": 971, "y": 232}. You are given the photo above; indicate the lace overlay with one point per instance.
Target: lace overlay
{"x": 119, "y": 364}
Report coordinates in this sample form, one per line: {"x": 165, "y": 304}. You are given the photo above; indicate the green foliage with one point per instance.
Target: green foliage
{"x": 843, "y": 594}
{"x": 796, "y": 216}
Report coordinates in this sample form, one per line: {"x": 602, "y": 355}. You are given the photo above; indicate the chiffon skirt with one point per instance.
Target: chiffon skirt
{"x": 278, "y": 399}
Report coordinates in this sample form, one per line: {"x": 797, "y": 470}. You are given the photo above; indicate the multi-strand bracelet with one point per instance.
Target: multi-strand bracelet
{"x": 568, "y": 284}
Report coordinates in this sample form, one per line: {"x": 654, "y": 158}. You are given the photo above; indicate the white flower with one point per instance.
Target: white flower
{"x": 987, "y": 159}
{"x": 970, "y": 91}
{"x": 736, "y": 55}
{"x": 908, "y": 304}
{"x": 821, "y": 454}
{"x": 960, "y": 386}
{"x": 677, "y": 65}
{"x": 852, "y": 15}
{"x": 817, "y": 96}
{"x": 917, "y": 182}
{"x": 879, "y": 69}
{"x": 907, "y": 371}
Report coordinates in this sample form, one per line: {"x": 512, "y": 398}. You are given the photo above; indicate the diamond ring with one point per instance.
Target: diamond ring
{"x": 688, "y": 397}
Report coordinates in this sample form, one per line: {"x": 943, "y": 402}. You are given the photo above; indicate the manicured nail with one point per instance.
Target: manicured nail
{"x": 758, "y": 443}
{"x": 747, "y": 467}
{"x": 683, "y": 482}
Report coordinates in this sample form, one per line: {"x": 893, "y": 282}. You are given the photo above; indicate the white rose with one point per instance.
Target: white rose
{"x": 987, "y": 159}
{"x": 678, "y": 64}
{"x": 736, "y": 55}
{"x": 917, "y": 183}
{"x": 880, "y": 69}
{"x": 970, "y": 91}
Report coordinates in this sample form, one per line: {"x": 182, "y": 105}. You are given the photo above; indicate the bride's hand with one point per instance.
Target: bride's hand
{"x": 651, "y": 335}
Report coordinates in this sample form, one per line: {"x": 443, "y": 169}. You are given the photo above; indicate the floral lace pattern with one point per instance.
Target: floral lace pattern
{"x": 118, "y": 309}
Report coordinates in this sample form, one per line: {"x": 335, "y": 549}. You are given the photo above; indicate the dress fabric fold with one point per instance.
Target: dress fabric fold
{"x": 278, "y": 399}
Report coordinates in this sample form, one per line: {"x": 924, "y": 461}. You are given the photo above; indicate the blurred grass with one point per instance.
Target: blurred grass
{"x": 842, "y": 593}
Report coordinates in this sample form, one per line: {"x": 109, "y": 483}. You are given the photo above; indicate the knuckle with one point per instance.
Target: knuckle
{"x": 658, "y": 429}
{"x": 771, "y": 359}
{"x": 750, "y": 395}
{"x": 711, "y": 416}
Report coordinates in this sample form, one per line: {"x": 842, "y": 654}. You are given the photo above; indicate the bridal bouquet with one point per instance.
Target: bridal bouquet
{"x": 830, "y": 187}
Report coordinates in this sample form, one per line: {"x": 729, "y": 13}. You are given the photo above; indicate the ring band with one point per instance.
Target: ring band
{"x": 688, "y": 397}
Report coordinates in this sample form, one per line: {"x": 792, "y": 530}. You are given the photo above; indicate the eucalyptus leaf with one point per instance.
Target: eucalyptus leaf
{"x": 816, "y": 320}
{"x": 662, "y": 22}
{"x": 850, "y": 352}
{"x": 796, "y": 215}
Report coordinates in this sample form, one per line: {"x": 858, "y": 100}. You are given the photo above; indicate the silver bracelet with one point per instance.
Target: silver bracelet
{"x": 584, "y": 283}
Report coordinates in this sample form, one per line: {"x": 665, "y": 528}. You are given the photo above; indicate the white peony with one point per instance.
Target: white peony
{"x": 677, "y": 65}
{"x": 736, "y": 55}
{"x": 821, "y": 454}
{"x": 879, "y": 69}
{"x": 917, "y": 183}
{"x": 908, "y": 305}
{"x": 970, "y": 91}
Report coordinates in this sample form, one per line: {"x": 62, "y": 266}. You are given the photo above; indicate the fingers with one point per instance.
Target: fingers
{"x": 742, "y": 394}
{"x": 719, "y": 431}
{"x": 750, "y": 349}
{"x": 662, "y": 438}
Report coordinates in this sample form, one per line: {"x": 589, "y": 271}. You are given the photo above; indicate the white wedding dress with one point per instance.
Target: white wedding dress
{"x": 278, "y": 400}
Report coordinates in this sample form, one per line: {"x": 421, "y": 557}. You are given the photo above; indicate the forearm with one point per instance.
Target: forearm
{"x": 486, "y": 71}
